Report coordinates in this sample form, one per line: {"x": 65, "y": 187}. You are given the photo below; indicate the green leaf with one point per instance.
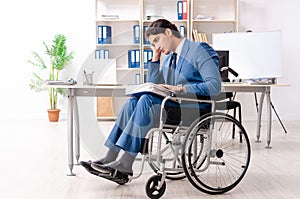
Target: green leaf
{"x": 58, "y": 59}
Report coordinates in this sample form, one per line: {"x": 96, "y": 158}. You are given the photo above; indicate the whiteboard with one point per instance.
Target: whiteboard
{"x": 252, "y": 55}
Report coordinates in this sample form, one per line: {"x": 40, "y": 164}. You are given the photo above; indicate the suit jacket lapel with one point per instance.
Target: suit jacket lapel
{"x": 184, "y": 51}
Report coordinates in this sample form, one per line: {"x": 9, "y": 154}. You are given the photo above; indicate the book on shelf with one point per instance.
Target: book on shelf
{"x": 199, "y": 36}
{"x": 140, "y": 89}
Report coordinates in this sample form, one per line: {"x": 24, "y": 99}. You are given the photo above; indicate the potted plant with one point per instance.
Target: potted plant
{"x": 55, "y": 59}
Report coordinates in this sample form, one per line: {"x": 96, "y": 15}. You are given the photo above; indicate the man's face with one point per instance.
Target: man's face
{"x": 162, "y": 42}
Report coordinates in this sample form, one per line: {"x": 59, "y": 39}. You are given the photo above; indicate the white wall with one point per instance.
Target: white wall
{"x": 266, "y": 15}
{"x": 25, "y": 24}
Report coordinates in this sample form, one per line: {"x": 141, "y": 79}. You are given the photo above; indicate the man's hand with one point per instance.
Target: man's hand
{"x": 157, "y": 51}
{"x": 156, "y": 54}
{"x": 176, "y": 89}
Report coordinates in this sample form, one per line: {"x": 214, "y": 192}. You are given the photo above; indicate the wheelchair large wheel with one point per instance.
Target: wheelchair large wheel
{"x": 173, "y": 164}
{"x": 213, "y": 161}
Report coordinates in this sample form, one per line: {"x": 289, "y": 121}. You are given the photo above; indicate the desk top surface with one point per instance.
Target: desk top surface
{"x": 119, "y": 86}
{"x": 119, "y": 90}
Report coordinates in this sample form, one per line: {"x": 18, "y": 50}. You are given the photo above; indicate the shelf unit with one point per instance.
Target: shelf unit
{"x": 136, "y": 12}
{"x": 224, "y": 12}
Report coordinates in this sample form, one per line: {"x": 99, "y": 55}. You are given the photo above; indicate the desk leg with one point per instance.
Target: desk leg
{"x": 70, "y": 132}
{"x": 77, "y": 139}
{"x": 269, "y": 113}
{"x": 258, "y": 126}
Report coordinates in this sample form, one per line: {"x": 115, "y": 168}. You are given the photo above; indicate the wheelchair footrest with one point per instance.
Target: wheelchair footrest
{"x": 117, "y": 177}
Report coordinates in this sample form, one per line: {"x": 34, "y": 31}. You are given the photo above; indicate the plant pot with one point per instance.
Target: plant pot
{"x": 53, "y": 115}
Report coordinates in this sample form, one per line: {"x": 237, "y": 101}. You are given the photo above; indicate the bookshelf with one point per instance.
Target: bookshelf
{"x": 122, "y": 16}
{"x": 214, "y": 16}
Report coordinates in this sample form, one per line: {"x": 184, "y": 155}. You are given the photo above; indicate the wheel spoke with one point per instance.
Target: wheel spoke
{"x": 209, "y": 175}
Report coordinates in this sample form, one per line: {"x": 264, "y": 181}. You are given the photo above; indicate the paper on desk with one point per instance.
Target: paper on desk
{"x": 61, "y": 82}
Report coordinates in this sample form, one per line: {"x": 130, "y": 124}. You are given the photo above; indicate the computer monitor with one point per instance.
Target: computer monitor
{"x": 223, "y": 62}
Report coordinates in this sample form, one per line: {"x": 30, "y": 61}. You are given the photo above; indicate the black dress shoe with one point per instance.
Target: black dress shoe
{"x": 113, "y": 167}
{"x": 87, "y": 164}
{"x": 104, "y": 168}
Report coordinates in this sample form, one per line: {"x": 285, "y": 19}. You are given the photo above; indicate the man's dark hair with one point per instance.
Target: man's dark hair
{"x": 160, "y": 26}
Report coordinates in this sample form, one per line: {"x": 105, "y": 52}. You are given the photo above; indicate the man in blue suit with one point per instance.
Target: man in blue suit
{"x": 188, "y": 67}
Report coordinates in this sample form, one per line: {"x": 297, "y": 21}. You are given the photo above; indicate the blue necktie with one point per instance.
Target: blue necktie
{"x": 171, "y": 73}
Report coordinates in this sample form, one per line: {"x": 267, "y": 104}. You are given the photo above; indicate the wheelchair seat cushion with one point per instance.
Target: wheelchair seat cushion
{"x": 174, "y": 115}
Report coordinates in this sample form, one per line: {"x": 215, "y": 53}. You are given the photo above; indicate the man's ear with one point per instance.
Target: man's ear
{"x": 168, "y": 32}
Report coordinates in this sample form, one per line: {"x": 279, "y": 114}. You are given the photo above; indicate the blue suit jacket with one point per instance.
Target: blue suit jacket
{"x": 197, "y": 69}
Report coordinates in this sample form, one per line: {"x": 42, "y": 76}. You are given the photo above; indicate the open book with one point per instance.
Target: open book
{"x": 140, "y": 89}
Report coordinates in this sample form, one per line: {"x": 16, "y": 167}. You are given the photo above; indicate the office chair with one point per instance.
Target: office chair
{"x": 225, "y": 101}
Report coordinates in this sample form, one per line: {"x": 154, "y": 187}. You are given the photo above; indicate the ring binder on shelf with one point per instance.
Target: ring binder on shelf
{"x": 182, "y": 30}
{"x": 104, "y": 34}
{"x": 136, "y": 34}
{"x": 184, "y": 9}
{"x": 134, "y": 58}
{"x": 101, "y": 54}
{"x": 148, "y": 53}
{"x": 145, "y": 40}
{"x": 179, "y": 10}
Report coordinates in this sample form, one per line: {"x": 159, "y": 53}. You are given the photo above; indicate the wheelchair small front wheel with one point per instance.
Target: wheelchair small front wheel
{"x": 152, "y": 189}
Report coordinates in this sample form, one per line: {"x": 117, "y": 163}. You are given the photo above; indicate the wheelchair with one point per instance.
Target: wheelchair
{"x": 204, "y": 150}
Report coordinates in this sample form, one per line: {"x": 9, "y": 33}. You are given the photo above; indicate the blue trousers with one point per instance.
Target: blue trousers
{"x": 138, "y": 115}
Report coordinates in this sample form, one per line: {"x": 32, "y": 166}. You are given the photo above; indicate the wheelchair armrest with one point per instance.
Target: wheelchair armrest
{"x": 190, "y": 96}
{"x": 180, "y": 97}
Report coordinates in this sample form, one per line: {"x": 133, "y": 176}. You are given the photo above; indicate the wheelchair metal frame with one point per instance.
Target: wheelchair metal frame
{"x": 156, "y": 185}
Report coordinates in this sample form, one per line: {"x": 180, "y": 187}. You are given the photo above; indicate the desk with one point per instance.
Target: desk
{"x": 119, "y": 91}
{"x": 84, "y": 91}
{"x": 265, "y": 90}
